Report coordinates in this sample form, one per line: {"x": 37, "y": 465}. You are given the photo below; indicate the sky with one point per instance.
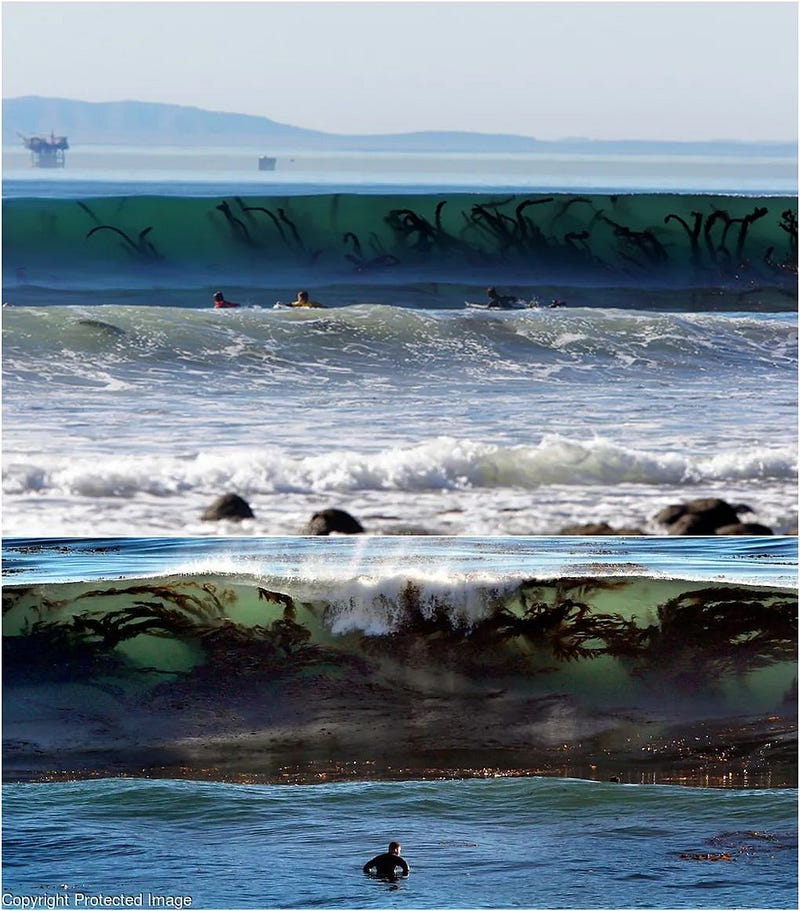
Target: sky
{"x": 551, "y": 70}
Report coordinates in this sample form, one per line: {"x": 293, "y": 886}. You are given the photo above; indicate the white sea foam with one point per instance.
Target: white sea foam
{"x": 443, "y": 463}
{"x": 444, "y": 486}
{"x": 460, "y": 422}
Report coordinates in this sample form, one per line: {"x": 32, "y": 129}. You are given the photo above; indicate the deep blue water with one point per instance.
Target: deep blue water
{"x": 497, "y": 843}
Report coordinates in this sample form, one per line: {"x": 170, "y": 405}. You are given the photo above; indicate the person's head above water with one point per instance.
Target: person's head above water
{"x": 386, "y": 864}
{"x": 302, "y": 295}
{"x": 218, "y": 296}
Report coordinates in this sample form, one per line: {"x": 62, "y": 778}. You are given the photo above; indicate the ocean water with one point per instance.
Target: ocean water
{"x": 510, "y": 843}
{"x": 244, "y": 723}
{"x": 129, "y": 404}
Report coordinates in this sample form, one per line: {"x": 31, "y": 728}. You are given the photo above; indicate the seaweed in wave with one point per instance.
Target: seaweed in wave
{"x": 648, "y": 240}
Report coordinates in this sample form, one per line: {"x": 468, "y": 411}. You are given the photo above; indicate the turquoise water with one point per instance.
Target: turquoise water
{"x": 496, "y": 843}
{"x": 570, "y": 241}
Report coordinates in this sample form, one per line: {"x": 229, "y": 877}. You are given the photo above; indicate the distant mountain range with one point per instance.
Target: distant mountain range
{"x": 140, "y": 123}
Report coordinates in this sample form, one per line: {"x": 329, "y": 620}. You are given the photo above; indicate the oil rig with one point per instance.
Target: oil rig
{"x": 46, "y": 153}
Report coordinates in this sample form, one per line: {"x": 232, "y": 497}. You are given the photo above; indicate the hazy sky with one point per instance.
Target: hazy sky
{"x": 621, "y": 70}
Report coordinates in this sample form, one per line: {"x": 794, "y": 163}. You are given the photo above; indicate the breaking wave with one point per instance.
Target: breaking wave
{"x": 644, "y": 240}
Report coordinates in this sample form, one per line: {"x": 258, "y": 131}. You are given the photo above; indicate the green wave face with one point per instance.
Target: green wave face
{"x": 646, "y": 240}
{"x": 600, "y": 639}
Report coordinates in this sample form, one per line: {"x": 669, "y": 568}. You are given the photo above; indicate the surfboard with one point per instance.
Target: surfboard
{"x": 279, "y": 305}
{"x": 518, "y": 304}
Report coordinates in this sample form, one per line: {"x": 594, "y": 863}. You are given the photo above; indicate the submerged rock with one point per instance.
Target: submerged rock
{"x": 329, "y": 521}
{"x": 103, "y": 327}
{"x": 228, "y": 506}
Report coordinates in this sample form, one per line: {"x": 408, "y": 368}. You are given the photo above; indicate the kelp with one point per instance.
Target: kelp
{"x": 701, "y": 634}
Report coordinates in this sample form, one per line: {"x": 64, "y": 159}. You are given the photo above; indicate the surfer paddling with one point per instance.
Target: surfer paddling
{"x": 495, "y": 301}
{"x": 499, "y": 300}
{"x": 220, "y": 302}
{"x": 303, "y": 301}
{"x": 386, "y": 864}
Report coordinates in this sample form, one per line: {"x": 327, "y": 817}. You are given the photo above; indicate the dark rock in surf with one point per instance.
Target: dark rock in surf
{"x": 670, "y": 514}
{"x": 691, "y": 524}
{"x": 228, "y": 506}
{"x": 599, "y": 528}
{"x": 700, "y": 517}
{"x": 744, "y": 528}
{"x": 333, "y": 521}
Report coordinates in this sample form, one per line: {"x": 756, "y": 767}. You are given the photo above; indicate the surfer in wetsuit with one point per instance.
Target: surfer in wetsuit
{"x": 386, "y": 864}
{"x": 499, "y": 300}
{"x": 219, "y": 301}
{"x": 303, "y": 301}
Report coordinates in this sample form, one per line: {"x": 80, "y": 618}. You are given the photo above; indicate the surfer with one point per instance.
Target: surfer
{"x": 386, "y": 864}
{"x": 303, "y": 301}
{"x": 499, "y": 300}
{"x": 219, "y": 301}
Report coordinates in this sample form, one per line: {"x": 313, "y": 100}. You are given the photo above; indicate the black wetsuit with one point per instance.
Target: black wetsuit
{"x": 385, "y": 864}
{"x": 504, "y": 301}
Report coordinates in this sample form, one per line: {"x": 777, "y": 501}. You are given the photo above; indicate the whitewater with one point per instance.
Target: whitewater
{"x": 131, "y": 420}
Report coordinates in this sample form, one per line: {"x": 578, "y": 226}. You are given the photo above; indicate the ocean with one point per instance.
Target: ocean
{"x": 230, "y": 715}
{"x": 542, "y": 723}
{"x": 130, "y": 404}
{"x": 510, "y": 843}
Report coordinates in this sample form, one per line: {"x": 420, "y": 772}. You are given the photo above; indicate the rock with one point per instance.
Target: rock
{"x": 333, "y": 520}
{"x": 590, "y": 528}
{"x": 228, "y": 506}
{"x": 700, "y": 517}
{"x": 600, "y": 528}
{"x": 690, "y": 524}
{"x": 668, "y": 515}
{"x": 744, "y": 528}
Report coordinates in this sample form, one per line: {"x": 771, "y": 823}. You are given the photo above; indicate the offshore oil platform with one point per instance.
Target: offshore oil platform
{"x": 46, "y": 153}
